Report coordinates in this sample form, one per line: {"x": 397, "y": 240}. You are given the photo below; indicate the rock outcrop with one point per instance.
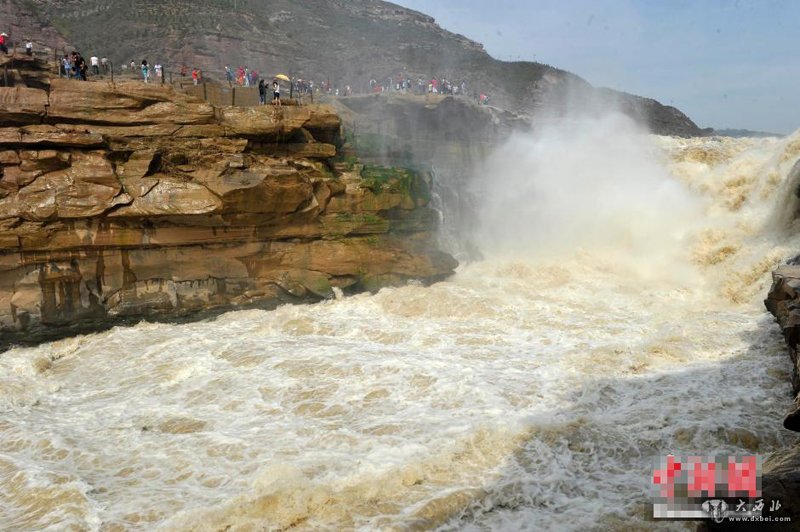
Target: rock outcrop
{"x": 451, "y": 135}
{"x": 782, "y": 470}
{"x": 135, "y": 201}
{"x": 783, "y": 302}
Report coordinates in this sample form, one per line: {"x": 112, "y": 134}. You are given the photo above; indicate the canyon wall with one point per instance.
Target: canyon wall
{"x": 131, "y": 201}
{"x": 448, "y": 136}
{"x": 781, "y": 475}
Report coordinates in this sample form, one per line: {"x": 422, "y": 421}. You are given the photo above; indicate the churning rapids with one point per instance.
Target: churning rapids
{"x": 617, "y": 317}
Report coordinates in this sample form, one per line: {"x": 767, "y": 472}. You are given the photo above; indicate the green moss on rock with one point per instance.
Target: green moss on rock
{"x": 396, "y": 180}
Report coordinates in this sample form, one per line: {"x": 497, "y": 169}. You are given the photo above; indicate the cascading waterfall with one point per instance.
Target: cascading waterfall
{"x": 616, "y": 317}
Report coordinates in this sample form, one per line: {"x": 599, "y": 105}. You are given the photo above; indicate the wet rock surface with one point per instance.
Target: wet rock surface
{"x": 781, "y": 479}
{"x": 122, "y": 202}
{"x": 783, "y": 302}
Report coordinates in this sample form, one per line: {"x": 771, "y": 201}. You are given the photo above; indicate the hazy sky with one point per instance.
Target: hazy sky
{"x": 726, "y": 63}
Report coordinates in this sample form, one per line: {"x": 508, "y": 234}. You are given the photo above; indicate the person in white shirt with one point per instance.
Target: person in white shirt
{"x": 276, "y": 93}
{"x": 66, "y": 66}
{"x": 29, "y": 48}
{"x": 104, "y": 64}
{"x": 95, "y": 62}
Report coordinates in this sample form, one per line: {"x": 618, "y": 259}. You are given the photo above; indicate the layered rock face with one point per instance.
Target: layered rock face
{"x": 782, "y": 470}
{"x": 130, "y": 201}
{"x": 783, "y": 302}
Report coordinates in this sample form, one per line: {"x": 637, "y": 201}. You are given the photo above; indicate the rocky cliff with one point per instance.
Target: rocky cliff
{"x": 346, "y": 42}
{"x": 130, "y": 201}
{"x": 783, "y": 302}
{"x": 782, "y": 470}
{"x": 451, "y": 136}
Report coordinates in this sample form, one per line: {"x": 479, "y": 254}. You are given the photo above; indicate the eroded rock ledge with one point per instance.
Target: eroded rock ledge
{"x": 131, "y": 201}
{"x": 781, "y": 479}
{"x": 783, "y": 301}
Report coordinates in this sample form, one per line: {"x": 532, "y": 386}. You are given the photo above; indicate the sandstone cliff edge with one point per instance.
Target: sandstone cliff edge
{"x": 130, "y": 201}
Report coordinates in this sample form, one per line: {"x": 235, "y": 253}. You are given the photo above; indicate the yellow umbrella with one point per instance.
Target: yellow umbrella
{"x": 284, "y": 77}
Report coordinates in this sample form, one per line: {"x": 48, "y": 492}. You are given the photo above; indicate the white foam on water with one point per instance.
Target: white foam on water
{"x": 530, "y": 391}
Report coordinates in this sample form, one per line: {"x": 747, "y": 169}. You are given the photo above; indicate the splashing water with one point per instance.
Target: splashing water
{"x": 597, "y": 183}
{"x": 618, "y": 319}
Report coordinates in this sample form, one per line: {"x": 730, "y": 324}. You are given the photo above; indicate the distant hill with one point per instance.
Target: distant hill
{"x": 738, "y": 133}
{"x": 347, "y": 42}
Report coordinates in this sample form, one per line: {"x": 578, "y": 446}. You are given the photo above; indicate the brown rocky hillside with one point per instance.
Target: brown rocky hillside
{"x": 347, "y": 42}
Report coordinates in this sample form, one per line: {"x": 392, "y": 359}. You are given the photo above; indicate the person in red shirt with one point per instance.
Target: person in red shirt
{"x": 195, "y": 75}
{"x": 3, "y": 47}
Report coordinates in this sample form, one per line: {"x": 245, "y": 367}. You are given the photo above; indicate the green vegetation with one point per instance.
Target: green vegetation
{"x": 324, "y": 170}
{"x": 389, "y": 179}
{"x": 349, "y": 161}
{"x": 396, "y": 180}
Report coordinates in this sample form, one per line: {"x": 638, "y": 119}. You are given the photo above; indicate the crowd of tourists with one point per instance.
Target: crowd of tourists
{"x": 244, "y": 77}
{"x": 74, "y": 66}
{"x": 157, "y": 72}
{"x": 402, "y": 83}
{"x": 441, "y": 85}
{"x": 398, "y": 83}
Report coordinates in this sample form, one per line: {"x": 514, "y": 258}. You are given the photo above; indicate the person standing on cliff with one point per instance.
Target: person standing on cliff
{"x": 95, "y": 65}
{"x": 29, "y": 47}
{"x": 81, "y": 67}
{"x": 195, "y": 76}
{"x": 66, "y": 66}
{"x": 262, "y": 92}
{"x": 276, "y": 94}
{"x": 3, "y": 47}
{"x": 145, "y": 70}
